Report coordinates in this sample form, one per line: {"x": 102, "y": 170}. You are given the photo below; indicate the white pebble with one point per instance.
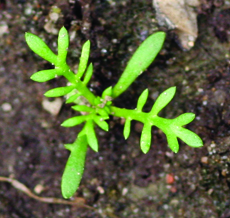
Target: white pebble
{"x": 6, "y": 107}
{"x": 39, "y": 188}
{"x": 52, "y": 107}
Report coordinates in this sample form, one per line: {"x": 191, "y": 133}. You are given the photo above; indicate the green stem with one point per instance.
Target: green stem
{"x": 70, "y": 76}
{"x": 128, "y": 113}
{"x": 140, "y": 116}
{"x": 85, "y": 92}
{"x": 65, "y": 71}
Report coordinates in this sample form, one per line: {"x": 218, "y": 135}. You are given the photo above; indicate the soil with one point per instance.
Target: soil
{"x": 119, "y": 180}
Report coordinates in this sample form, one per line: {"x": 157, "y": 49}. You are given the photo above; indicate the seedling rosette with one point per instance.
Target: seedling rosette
{"x": 98, "y": 109}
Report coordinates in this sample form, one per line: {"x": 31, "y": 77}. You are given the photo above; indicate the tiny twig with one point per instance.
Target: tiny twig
{"x": 21, "y": 187}
{"x": 49, "y": 200}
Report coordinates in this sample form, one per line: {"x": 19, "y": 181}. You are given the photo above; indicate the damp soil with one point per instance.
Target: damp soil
{"x": 119, "y": 180}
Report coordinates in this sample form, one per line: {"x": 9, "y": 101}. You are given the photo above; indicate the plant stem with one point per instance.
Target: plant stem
{"x": 66, "y": 72}
{"x": 85, "y": 92}
{"x": 143, "y": 117}
{"x": 70, "y": 76}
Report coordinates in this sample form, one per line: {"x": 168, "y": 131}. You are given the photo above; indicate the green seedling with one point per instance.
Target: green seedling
{"x": 97, "y": 109}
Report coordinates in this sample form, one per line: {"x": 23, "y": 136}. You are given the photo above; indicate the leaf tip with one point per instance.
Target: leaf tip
{"x": 162, "y": 34}
{"x": 32, "y": 78}
{"x": 145, "y": 151}
{"x": 173, "y": 88}
{"x": 63, "y": 29}
{"x": 198, "y": 144}
{"x": 47, "y": 94}
{"x": 27, "y": 34}
{"x": 87, "y": 42}
{"x": 145, "y": 147}
{"x": 175, "y": 150}
{"x": 69, "y": 147}
{"x": 63, "y": 124}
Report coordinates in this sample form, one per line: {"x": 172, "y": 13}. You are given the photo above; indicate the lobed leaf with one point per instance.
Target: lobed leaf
{"x": 60, "y": 91}
{"x": 73, "y": 121}
{"x": 103, "y": 113}
{"x": 184, "y": 119}
{"x": 146, "y": 138}
{"x": 172, "y": 142}
{"x": 63, "y": 44}
{"x": 82, "y": 108}
{"x": 88, "y": 74}
{"x": 74, "y": 168}
{"x": 101, "y": 123}
{"x": 162, "y": 100}
{"x": 38, "y": 46}
{"x": 107, "y": 108}
{"x": 97, "y": 101}
{"x": 83, "y": 59}
{"x": 72, "y": 98}
{"x": 141, "y": 59}
{"x": 107, "y": 92}
{"x": 91, "y": 135}
{"x": 127, "y": 127}
{"x": 44, "y": 75}
{"x": 189, "y": 137}
{"x": 142, "y": 99}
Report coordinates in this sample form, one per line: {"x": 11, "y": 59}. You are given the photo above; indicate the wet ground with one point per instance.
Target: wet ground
{"x": 119, "y": 180}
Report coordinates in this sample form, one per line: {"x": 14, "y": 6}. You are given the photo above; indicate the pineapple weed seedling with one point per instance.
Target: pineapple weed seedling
{"x": 98, "y": 108}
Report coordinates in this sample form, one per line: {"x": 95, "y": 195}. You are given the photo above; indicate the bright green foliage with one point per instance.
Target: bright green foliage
{"x": 60, "y": 91}
{"x": 38, "y": 46}
{"x": 97, "y": 109}
{"x": 141, "y": 59}
{"x": 74, "y": 121}
{"x": 63, "y": 44}
{"x": 88, "y": 74}
{"x": 162, "y": 100}
{"x": 84, "y": 60}
{"x": 142, "y": 99}
{"x": 127, "y": 127}
{"x": 44, "y": 75}
{"x": 74, "y": 167}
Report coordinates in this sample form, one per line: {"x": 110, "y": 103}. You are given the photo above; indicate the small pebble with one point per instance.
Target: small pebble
{"x": 38, "y": 188}
{"x": 6, "y": 107}
{"x": 100, "y": 190}
{"x": 169, "y": 178}
{"x": 124, "y": 191}
{"x": 3, "y": 29}
{"x": 204, "y": 160}
{"x": 173, "y": 189}
{"x": 224, "y": 172}
{"x": 52, "y": 107}
{"x": 28, "y": 10}
{"x": 210, "y": 191}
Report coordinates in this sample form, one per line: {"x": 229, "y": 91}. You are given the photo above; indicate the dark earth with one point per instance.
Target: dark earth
{"x": 119, "y": 180}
